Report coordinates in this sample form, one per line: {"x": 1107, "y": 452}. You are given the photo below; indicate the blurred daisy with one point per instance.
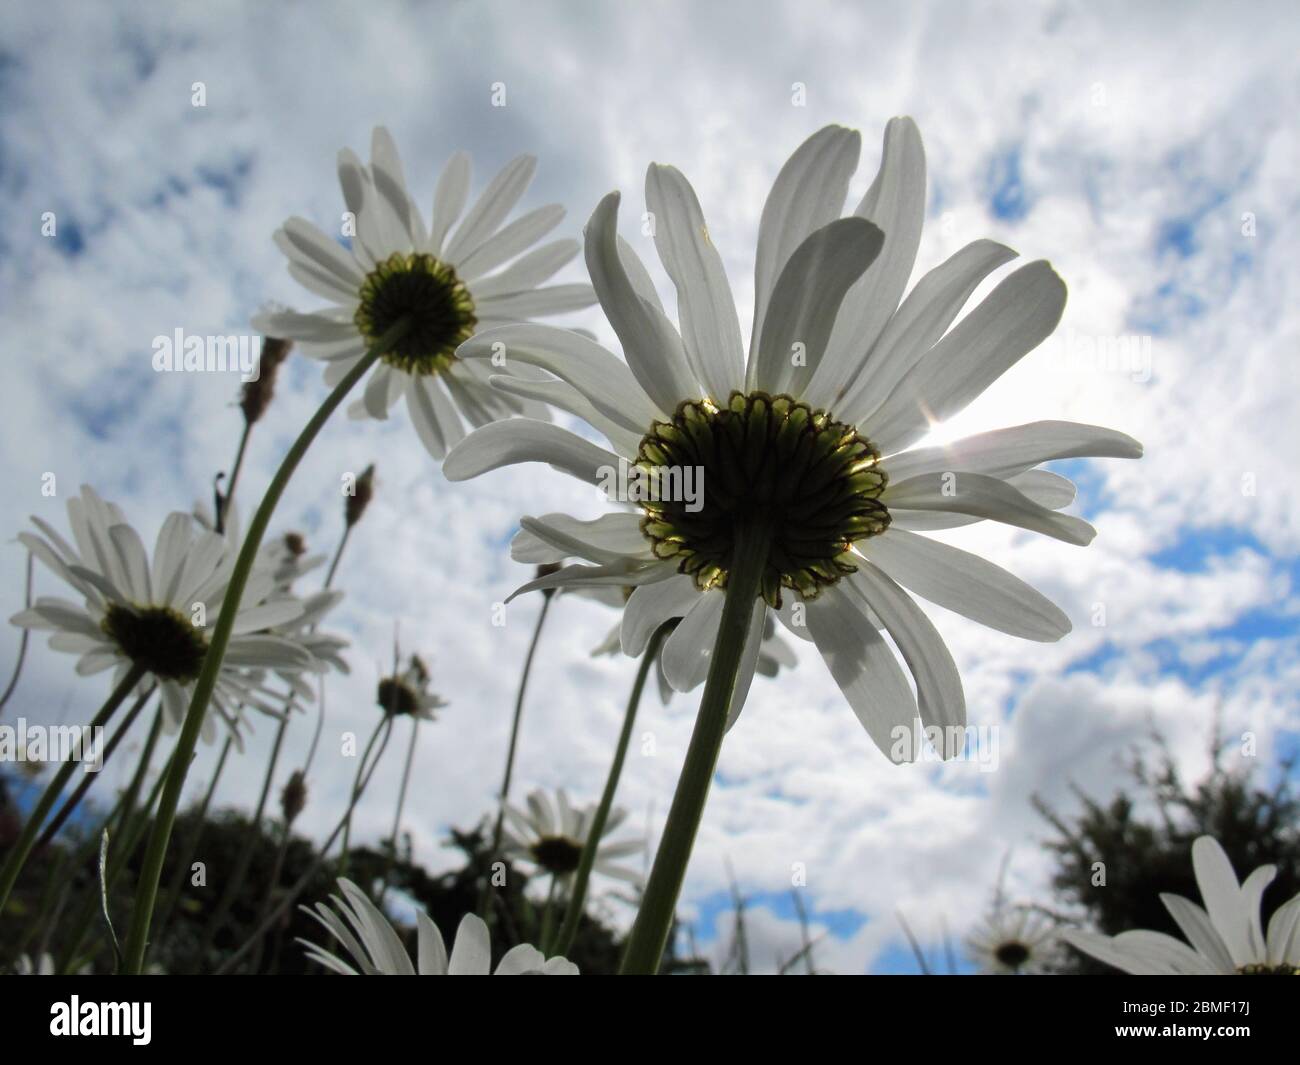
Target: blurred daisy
{"x": 1013, "y": 941}
{"x": 550, "y": 835}
{"x": 407, "y": 693}
{"x": 42, "y": 966}
{"x": 159, "y": 617}
{"x": 802, "y": 450}
{"x": 773, "y": 653}
{"x": 1226, "y": 936}
{"x": 377, "y": 950}
{"x": 449, "y": 284}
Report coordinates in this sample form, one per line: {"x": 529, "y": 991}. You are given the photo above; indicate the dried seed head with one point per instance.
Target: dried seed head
{"x": 257, "y": 394}
{"x": 363, "y": 491}
{"x": 294, "y": 796}
{"x": 295, "y": 543}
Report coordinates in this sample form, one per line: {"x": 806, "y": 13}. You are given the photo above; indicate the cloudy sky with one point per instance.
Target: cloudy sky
{"x": 1149, "y": 153}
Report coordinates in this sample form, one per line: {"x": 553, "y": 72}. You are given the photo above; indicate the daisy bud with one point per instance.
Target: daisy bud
{"x": 294, "y": 796}
{"x": 257, "y": 394}
{"x": 364, "y": 490}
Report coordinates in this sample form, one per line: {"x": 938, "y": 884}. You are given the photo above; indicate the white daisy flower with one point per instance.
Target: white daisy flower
{"x": 407, "y": 693}
{"x": 1010, "y": 941}
{"x": 160, "y": 617}
{"x": 551, "y": 833}
{"x": 449, "y": 283}
{"x": 1226, "y": 936}
{"x": 803, "y": 448}
{"x": 377, "y": 950}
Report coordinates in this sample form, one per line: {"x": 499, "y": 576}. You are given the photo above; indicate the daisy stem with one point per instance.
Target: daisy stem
{"x": 654, "y": 921}
{"x": 156, "y": 852}
{"x": 401, "y": 803}
{"x": 22, "y": 640}
{"x": 74, "y": 800}
{"x": 191, "y": 847}
{"x": 224, "y": 499}
{"x": 338, "y": 555}
{"x": 484, "y": 899}
{"x": 23, "y": 847}
{"x": 578, "y": 894}
{"x": 236, "y": 882}
{"x": 548, "y": 913}
{"x": 384, "y": 728}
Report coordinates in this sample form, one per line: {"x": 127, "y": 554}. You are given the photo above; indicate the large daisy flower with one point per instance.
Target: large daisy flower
{"x": 551, "y": 832}
{"x": 160, "y": 616}
{"x": 1013, "y": 941}
{"x": 807, "y": 445}
{"x": 377, "y": 950}
{"x": 1226, "y": 936}
{"x": 448, "y": 282}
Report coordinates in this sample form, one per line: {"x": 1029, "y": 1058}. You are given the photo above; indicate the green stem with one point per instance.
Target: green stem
{"x": 385, "y": 728}
{"x": 401, "y": 802}
{"x": 485, "y": 897}
{"x": 224, "y": 499}
{"x": 245, "y": 859}
{"x": 18, "y": 854}
{"x": 578, "y": 895}
{"x": 156, "y": 852}
{"x": 653, "y": 923}
{"x": 548, "y": 916}
{"x": 74, "y": 800}
{"x": 338, "y": 556}
{"x": 177, "y": 883}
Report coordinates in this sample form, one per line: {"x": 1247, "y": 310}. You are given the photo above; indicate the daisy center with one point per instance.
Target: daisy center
{"x": 813, "y": 481}
{"x": 397, "y": 698}
{"x": 1269, "y": 970}
{"x": 158, "y": 638}
{"x": 1012, "y": 954}
{"x": 427, "y": 293}
{"x": 557, "y": 854}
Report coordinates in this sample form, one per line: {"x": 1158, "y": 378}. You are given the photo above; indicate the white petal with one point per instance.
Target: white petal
{"x": 687, "y": 651}
{"x": 521, "y": 959}
{"x": 808, "y": 193}
{"x": 562, "y": 396}
{"x": 653, "y": 604}
{"x": 134, "y": 561}
{"x": 915, "y": 327}
{"x": 1012, "y": 321}
{"x": 805, "y": 302}
{"x": 491, "y": 208}
{"x": 432, "y": 951}
{"x": 705, "y": 308}
{"x": 1222, "y": 897}
{"x": 548, "y": 539}
{"x": 1284, "y": 934}
{"x": 938, "y": 685}
{"x": 605, "y": 380}
{"x": 626, "y": 573}
{"x": 512, "y": 240}
{"x": 525, "y": 440}
{"x": 313, "y": 246}
{"x": 866, "y": 671}
{"x": 895, "y": 203}
{"x": 1199, "y": 930}
{"x": 1008, "y": 452}
{"x": 529, "y": 271}
{"x": 536, "y": 303}
{"x": 967, "y": 584}
{"x": 448, "y": 200}
{"x": 748, "y": 661}
{"x": 985, "y": 497}
{"x": 651, "y": 345}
